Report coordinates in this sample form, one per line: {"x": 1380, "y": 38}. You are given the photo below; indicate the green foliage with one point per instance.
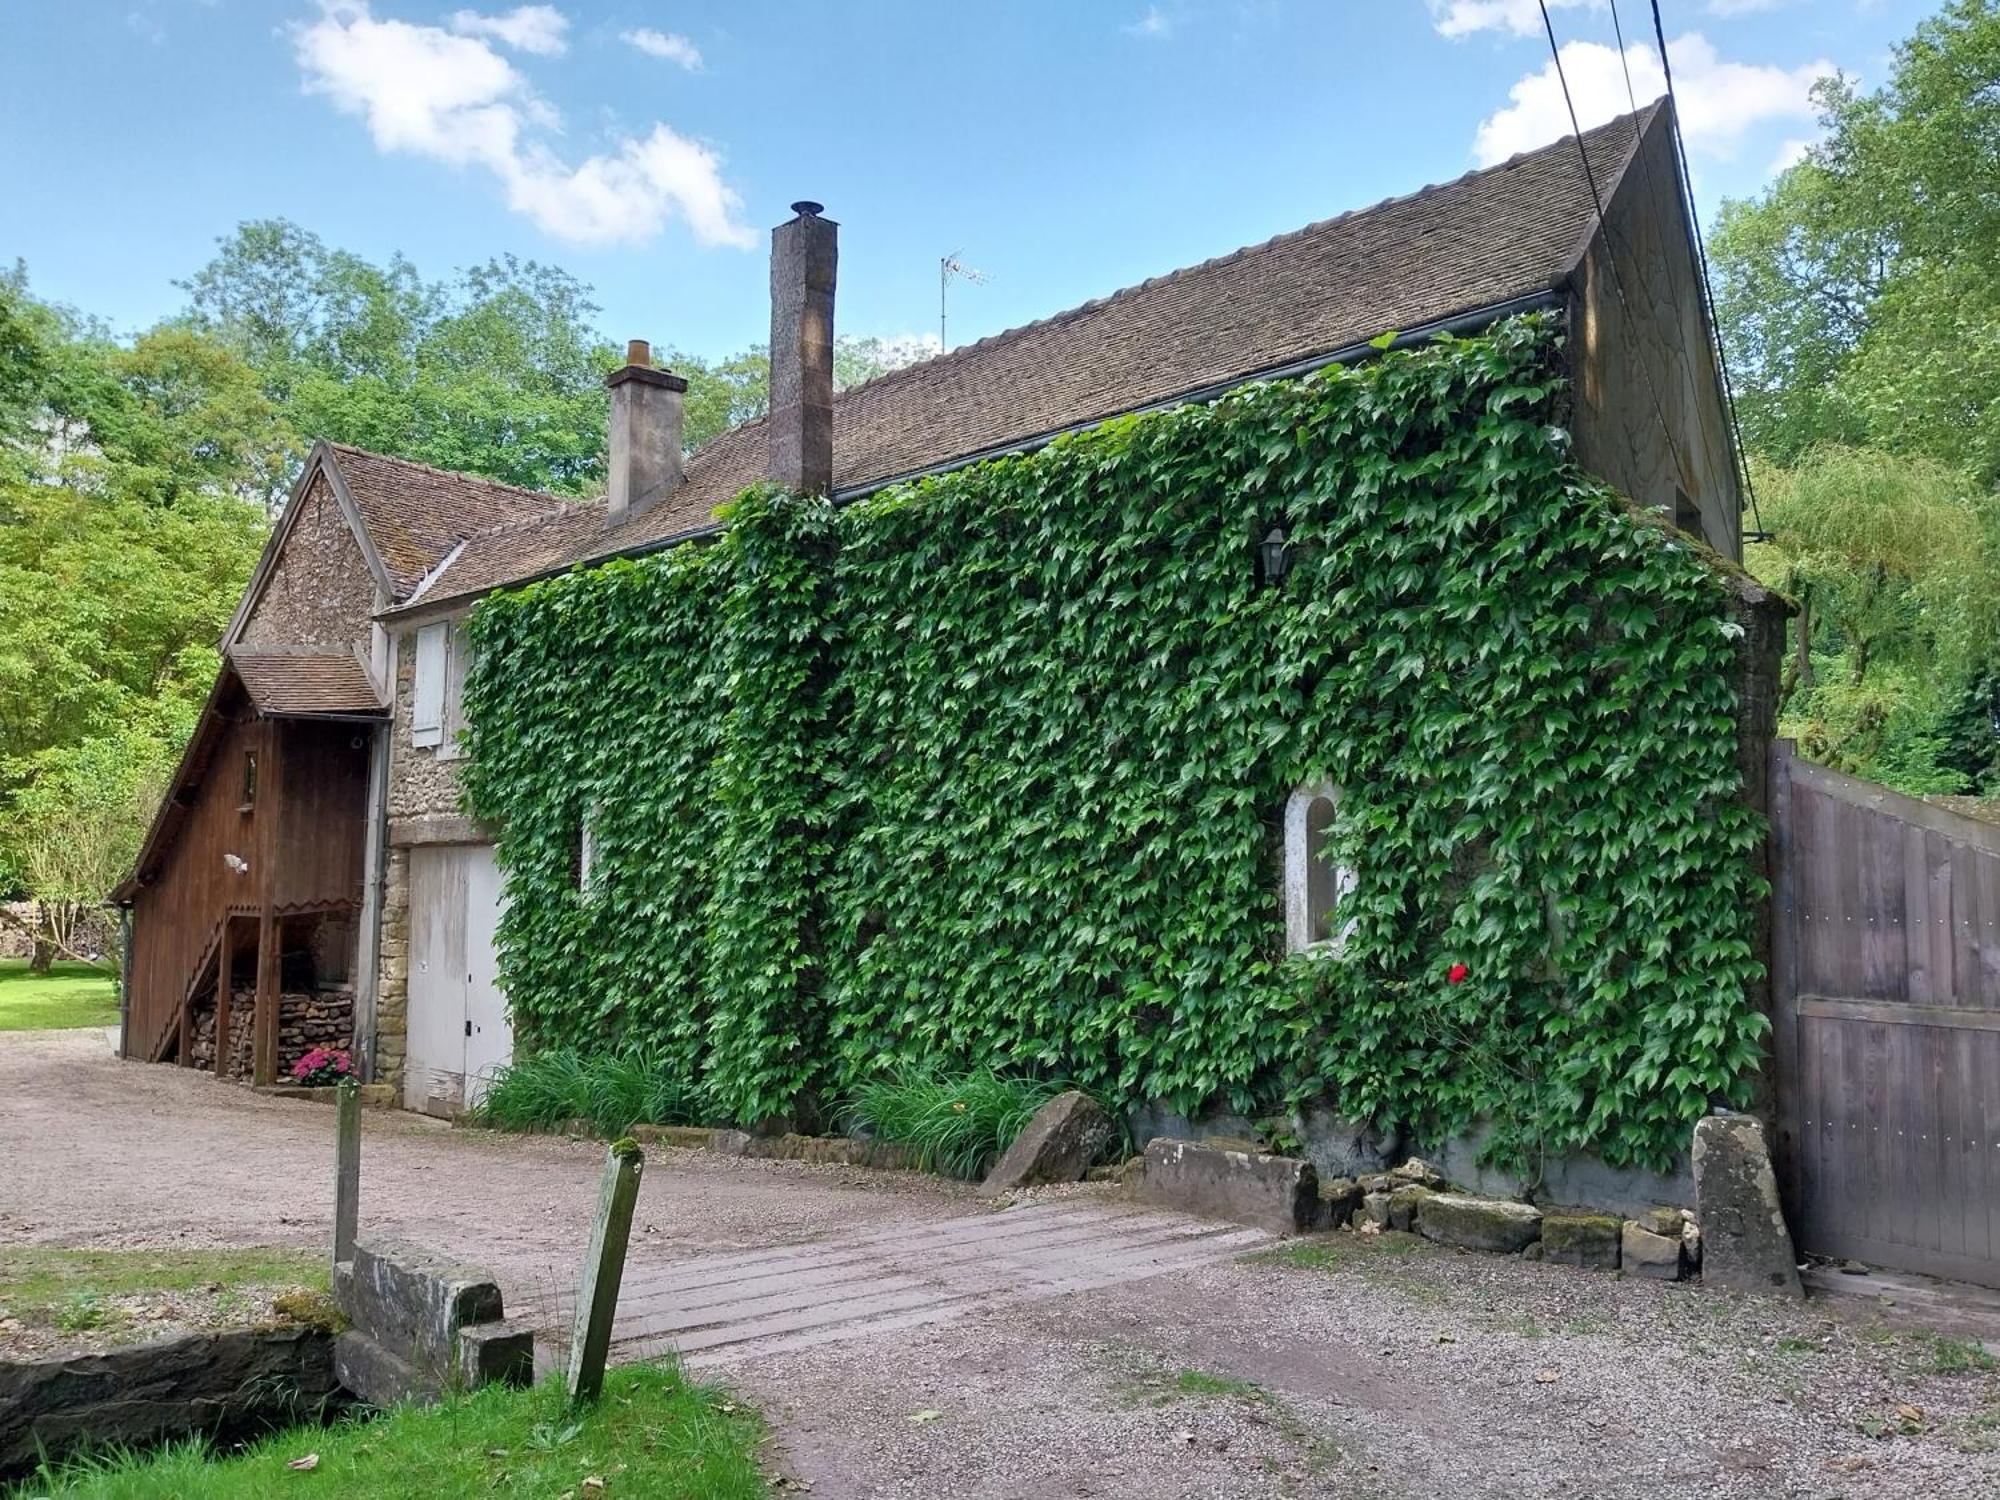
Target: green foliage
{"x": 654, "y": 1433}
{"x": 985, "y": 772}
{"x": 1856, "y": 297}
{"x": 956, "y": 1124}
{"x": 612, "y": 1091}
{"x": 1895, "y": 562}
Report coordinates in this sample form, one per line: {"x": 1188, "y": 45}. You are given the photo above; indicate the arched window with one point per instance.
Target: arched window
{"x": 1315, "y": 882}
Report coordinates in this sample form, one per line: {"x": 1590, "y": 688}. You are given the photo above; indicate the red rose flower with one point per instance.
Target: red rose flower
{"x": 1457, "y": 974}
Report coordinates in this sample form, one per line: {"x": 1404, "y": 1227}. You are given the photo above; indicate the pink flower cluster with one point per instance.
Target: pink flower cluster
{"x": 323, "y": 1065}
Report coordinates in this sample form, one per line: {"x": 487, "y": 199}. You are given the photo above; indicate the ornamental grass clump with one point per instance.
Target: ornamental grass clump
{"x": 955, "y": 1124}
{"x": 610, "y": 1092}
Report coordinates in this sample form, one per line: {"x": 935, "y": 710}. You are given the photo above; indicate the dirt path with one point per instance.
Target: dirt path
{"x": 1334, "y": 1367}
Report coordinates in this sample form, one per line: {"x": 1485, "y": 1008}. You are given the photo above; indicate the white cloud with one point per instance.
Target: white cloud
{"x": 1462, "y": 18}
{"x": 1155, "y": 23}
{"x": 529, "y": 28}
{"x": 1791, "y": 153}
{"x": 1719, "y": 100}
{"x": 1741, "y": 7}
{"x": 453, "y": 98}
{"x": 664, "y": 44}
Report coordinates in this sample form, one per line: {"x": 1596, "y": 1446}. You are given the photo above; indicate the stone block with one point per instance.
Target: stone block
{"x": 379, "y": 1377}
{"x": 1065, "y": 1137}
{"x": 1661, "y": 1221}
{"x": 1339, "y": 1198}
{"x": 1745, "y": 1244}
{"x": 1644, "y": 1253}
{"x": 1582, "y": 1239}
{"x": 412, "y": 1302}
{"x": 1375, "y": 1209}
{"x": 1277, "y": 1193}
{"x": 227, "y": 1385}
{"x": 1420, "y": 1172}
{"x": 1404, "y": 1205}
{"x": 501, "y": 1353}
{"x": 1494, "y": 1224}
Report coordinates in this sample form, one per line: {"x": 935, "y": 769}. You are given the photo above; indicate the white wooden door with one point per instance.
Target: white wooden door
{"x": 458, "y": 1031}
{"x": 489, "y": 1035}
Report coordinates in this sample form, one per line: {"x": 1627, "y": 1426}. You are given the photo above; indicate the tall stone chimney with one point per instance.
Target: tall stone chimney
{"x": 645, "y": 434}
{"x": 804, "y": 259}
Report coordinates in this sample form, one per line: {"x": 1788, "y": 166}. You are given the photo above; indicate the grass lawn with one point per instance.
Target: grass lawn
{"x": 70, "y": 995}
{"x": 653, "y": 1434}
{"x": 35, "y": 1278}
{"x": 55, "y": 1298}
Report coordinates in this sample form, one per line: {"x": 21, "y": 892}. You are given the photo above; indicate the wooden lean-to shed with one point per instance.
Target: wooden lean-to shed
{"x": 250, "y": 885}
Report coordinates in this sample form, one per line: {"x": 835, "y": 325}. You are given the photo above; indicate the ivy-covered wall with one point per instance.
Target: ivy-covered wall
{"x": 988, "y": 769}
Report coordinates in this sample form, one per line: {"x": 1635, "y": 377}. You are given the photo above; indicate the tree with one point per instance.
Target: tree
{"x": 1860, "y": 296}
{"x": 73, "y": 830}
{"x": 1895, "y": 564}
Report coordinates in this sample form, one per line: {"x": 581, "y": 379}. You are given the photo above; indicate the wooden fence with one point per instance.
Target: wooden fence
{"x": 1886, "y": 996}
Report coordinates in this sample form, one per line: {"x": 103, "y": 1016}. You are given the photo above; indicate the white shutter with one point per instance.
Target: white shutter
{"x": 458, "y": 661}
{"x": 427, "y": 707}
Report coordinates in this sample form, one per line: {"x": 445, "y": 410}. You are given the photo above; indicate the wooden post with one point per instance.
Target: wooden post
{"x": 346, "y": 1168}
{"x": 264, "y": 1018}
{"x": 185, "y": 1045}
{"x": 603, "y": 1269}
{"x": 270, "y": 938}
{"x": 225, "y": 968}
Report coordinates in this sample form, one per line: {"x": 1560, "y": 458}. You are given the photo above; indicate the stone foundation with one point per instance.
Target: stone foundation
{"x": 225, "y": 1385}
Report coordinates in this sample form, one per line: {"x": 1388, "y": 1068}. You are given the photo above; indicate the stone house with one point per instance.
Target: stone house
{"x": 344, "y": 667}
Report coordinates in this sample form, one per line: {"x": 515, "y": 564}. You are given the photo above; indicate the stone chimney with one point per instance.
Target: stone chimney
{"x": 645, "y": 434}
{"x": 804, "y": 258}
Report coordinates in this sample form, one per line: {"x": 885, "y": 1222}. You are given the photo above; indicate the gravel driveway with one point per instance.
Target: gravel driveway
{"x": 1332, "y": 1367}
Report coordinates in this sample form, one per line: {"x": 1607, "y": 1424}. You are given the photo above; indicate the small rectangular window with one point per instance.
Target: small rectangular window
{"x": 249, "y": 782}
{"x": 427, "y": 689}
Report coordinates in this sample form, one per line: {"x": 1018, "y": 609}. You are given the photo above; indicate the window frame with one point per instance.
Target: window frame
{"x": 1302, "y": 919}
{"x": 430, "y": 653}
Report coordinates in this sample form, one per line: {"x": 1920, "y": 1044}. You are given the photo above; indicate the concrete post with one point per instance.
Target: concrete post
{"x": 604, "y": 1269}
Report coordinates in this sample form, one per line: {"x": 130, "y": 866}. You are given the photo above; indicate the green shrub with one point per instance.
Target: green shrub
{"x": 958, "y": 1125}
{"x": 611, "y": 1091}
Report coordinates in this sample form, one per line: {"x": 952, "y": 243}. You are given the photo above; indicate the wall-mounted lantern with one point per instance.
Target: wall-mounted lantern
{"x": 1273, "y": 556}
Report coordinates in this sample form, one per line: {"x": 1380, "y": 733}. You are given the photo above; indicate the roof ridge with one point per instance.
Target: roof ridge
{"x": 557, "y": 501}
{"x": 529, "y": 523}
{"x": 1056, "y": 319}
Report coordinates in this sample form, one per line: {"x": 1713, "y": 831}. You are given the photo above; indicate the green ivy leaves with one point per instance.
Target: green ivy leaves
{"x": 987, "y": 770}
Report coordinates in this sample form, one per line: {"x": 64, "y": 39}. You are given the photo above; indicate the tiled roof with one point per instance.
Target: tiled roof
{"x": 1483, "y": 240}
{"x": 416, "y": 514}
{"x": 291, "y": 683}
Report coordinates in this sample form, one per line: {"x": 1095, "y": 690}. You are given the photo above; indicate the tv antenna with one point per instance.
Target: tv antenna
{"x": 948, "y": 267}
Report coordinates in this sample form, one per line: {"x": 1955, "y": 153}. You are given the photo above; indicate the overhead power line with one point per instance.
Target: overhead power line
{"x": 1701, "y": 254}
{"x": 1611, "y": 257}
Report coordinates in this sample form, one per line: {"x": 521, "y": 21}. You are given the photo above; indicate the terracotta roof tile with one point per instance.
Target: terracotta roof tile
{"x": 1482, "y": 240}
{"x": 291, "y": 683}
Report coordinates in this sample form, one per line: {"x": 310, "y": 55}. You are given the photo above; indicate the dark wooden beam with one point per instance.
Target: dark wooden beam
{"x": 270, "y": 803}
{"x": 225, "y": 968}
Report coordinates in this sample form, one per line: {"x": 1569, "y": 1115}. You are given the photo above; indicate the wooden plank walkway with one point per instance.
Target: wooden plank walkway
{"x": 725, "y": 1308}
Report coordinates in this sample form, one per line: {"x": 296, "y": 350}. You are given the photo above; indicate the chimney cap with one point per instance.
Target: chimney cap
{"x": 805, "y": 208}
{"x": 638, "y": 352}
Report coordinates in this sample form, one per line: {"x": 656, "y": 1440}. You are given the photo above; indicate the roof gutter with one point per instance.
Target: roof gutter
{"x": 1473, "y": 320}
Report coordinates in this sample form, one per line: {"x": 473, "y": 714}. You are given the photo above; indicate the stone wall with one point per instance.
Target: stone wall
{"x": 423, "y": 782}
{"x": 392, "y": 981}
{"x": 319, "y": 591}
{"x": 228, "y": 1386}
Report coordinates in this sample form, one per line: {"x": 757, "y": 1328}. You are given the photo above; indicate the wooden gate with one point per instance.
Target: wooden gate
{"x": 1886, "y": 994}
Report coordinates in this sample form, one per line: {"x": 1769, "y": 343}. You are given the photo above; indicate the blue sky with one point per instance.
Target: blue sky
{"x": 1064, "y": 147}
